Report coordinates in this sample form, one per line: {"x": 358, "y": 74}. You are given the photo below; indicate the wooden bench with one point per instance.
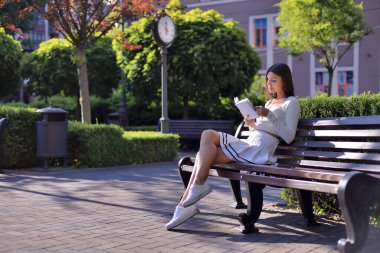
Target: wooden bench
{"x": 3, "y": 123}
{"x": 192, "y": 129}
{"x": 329, "y": 155}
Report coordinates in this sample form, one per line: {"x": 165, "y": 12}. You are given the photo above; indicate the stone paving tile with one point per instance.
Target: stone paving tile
{"x": 124, "y": 209}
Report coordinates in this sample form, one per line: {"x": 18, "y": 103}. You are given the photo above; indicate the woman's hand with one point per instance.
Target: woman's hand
{"x": 249, "y": 122}
{"x": 261, "y": 110}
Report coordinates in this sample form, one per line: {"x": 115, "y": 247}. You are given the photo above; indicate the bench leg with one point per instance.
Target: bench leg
{"x": 184, "y": 175}
{"x": 255, "y": 206}
{"x": 306, "y": 204}
{"x": 356, "y": 193}
{"x": 236, "y": 191}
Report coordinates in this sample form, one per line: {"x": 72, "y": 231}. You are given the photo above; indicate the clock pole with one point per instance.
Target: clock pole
{"x": 164, "y": 89}
{"x": 164, "y": 33}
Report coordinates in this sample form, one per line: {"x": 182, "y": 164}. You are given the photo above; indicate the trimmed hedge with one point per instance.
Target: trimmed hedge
{"x": 88, "y": 145}
{"x": 366, "y": 104}
{"x": 19, "y": 137}
{"x": 108, "y": 145}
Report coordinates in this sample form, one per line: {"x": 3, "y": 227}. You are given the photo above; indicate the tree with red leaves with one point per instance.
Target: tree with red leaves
{"x": 14, "y": 14}
{"x": 83, "y": 22}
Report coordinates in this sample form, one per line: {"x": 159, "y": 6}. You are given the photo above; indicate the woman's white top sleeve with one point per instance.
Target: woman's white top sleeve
{"x": 282, "y": 120}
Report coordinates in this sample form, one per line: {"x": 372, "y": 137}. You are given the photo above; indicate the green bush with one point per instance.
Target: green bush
{"x": 366, "y": 104}
{"x": 145, "y": 147}
{"x": 88, "y": 145}
{"x": 108, "y": 145}
{"x": 151, "y": 128}
{"x": 19, "y": 137}
{"x": 50, "y": 69}
{"x": 100, "y": 107}
{"x": 64, "y": 102}
{"x": 10, "y": 56}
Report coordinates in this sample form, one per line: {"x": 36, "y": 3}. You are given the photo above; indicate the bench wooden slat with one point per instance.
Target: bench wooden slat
{"x": 324, "y": 175}
{"x": 339, "y": 133}
{"x": 337, "y": 145}
{"x": 291, "y": 183}
{"x": 332, "y": 133}
{"x": 368, "y": 168}
{"x": 342, "y": 121}
{"x": 373, "y": 157}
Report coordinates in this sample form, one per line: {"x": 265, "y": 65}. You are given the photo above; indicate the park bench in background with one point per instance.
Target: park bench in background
{"x": 192, "y": 129}
{"x": 329, "y": 155}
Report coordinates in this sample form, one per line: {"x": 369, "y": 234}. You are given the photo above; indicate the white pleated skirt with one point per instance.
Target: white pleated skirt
{"x": 258, "y": 148}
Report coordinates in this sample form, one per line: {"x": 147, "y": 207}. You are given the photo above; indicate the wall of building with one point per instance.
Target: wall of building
{"x": 362, "y": 61}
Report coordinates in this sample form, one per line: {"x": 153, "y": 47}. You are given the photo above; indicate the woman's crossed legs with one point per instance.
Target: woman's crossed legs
{"x": 209, "y": 153}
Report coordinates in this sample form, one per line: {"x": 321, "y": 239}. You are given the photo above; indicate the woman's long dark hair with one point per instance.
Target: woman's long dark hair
{"x": 282, "y": 70}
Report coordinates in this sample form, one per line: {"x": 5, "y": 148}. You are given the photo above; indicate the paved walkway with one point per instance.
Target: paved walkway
{"x": 124, "y": 209}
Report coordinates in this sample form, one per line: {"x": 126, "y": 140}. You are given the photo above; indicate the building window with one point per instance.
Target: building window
{"x": 346, "y": 83}
{"x": 276, "y": 31}
{"x": 260, "y": 33}
{"x": 40, "y": 19}
{"x": 36, "y": 38}
{"x": 321, "y": 82}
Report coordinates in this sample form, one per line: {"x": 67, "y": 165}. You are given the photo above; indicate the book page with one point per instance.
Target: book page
{"x": 246, "y": 108}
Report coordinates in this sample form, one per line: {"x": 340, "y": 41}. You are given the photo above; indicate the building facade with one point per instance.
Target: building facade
{"x": 357, "y": 72}
{"x": 41, "y": 31}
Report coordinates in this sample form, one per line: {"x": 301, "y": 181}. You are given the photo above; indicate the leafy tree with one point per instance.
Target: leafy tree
{"x": 10, "y": 55}
{"x": 209, "y": 60}
{"x": 104, "y": 73}
{"x": 51, "y": 70}
{"x": 320, "y": 27}
{"x": 15, "y": 14}
{"x": 82, "y": 23}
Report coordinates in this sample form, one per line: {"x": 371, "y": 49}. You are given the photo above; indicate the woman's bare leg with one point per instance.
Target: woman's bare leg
{"x": 209, "y": 153}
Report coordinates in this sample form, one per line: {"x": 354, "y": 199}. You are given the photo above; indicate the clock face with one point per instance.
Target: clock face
{"x": 166, "y": 29}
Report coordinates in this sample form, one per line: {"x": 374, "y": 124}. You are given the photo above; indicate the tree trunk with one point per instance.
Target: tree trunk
{"x": 78, "y": 114}
{"x": 84, "y": 94}
{"x": 331, "y": 74}
{"x": 185, "y": 112}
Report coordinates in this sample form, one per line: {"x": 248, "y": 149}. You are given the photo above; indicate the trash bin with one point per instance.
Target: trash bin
{"x": 52, "y": 134}
{"x": 116, "y": 118}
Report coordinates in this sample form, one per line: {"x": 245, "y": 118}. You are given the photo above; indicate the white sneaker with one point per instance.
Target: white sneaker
{"x": 181, "y": 214}
{"x": 196, "y": 193}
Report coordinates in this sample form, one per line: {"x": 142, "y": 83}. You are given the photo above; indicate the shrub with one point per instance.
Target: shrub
{"x": 51, "y": 70}
{"x": 64, "y": 102}
{"x": 151, "y": 128}
{"x": 108, "y": 145}
{"x": 94, "y": 145}
{"x": 88, "y": 145}
{"x": 19, "y": 137}
{"x": 10, "y": 55}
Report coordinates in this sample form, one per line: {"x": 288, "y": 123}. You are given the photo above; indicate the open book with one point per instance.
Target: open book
{"x": 246, "y": 108}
